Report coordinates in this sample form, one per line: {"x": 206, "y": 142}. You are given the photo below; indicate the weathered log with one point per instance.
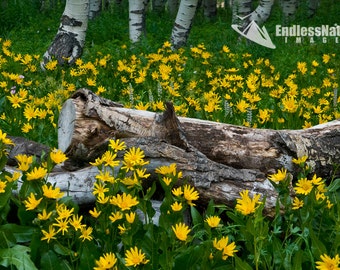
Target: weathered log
{"x": 213, "y": 180}
{"x": 25, "y": 146}
{"x": 219, "y": 159}
{"x": 87, "y": 122}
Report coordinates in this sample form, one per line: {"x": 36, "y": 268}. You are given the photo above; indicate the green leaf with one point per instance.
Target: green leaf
{"x": 241, "y": 265}
{"x": 22, "y": 234}
{"x": 26, "y": 217}
{"x": 150, "y": 191}
{"x": 4, "y": 197}
{"x": 334, "y": 186}
{"x": 7, "y": 239}
{"x": 18, "y": 256}
{"x": 297, "y": 260}
{"x": 88, "y": 256}
{"x": 318, "y": 248}
{"x": 50, "y": 261}
{"x": 196, "y": 216}
{"x": 191, "y": 258}
{"x": 61, "y": 250}
{"x": 150, "y": 243}
{"x": 210, "y": 209}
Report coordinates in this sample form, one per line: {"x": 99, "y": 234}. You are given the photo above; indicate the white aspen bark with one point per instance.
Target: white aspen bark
{"x": 241, "y": 8}
{"x": 173, "y": 7}
{"x": 137, "y": 9}
{"x": 262, "y": 12}
{"x": 183, "y": 22}
{"x": 210, "y": 8}
{"x": 68, "y": 44}
{"x": 288, "y": 9}
{"x": 94, "y": 8}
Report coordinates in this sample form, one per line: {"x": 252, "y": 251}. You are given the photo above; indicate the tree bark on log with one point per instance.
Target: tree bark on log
{"x": 219, "y": 159}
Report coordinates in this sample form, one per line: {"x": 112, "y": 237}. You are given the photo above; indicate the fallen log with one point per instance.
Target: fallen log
{"x": 219, "y": 159}
{"x": 87, "y": 122}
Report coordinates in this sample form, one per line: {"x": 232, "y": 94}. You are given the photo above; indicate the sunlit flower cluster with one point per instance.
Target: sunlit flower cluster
{"x": 221, "y": 86}
{"x": 119, "y": 230}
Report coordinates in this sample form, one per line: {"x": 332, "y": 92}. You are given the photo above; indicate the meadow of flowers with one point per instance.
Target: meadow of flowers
{"x": 42, "y": 228}
{"x": 222, "y": 86}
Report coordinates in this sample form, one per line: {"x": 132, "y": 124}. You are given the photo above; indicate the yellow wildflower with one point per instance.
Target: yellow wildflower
{"x": 303, "y": 186}
{"x": 44, "y": 215}
{"x": 135, "y": 257}
{"x": 181, "y": 231}
{"x": 76, "y": 222}
{"x": 57, "y": 156}
{"x": 124, "y": 201}
{"x": 31, "y": 203}
{"x": 130, "y": 217}
{"x": 281, "y": 175}
{"x": 246, "y": 205}
{"x": 213, "y": 221}
{"x": 176, "y": 206}
{"x": 297, "y": 203}
{"x": 36, "y": 173}
{"x": 4, "y": 139}
{"x": 135, "y": 156}
{"x": 177, "y": 191}
{"x": 63, "y": 212}
{"x": 107, "y": 261}
{"x": 49, "y": 235}
{"x": 328, "y": 263}
{"x": 86, "y": 233}
{"x": 102, "y": 199}
{"x": 222, "y": 245}
{"x": 62, "y": 224}
{"x": 190, "y": 194}
{"x": 24, "y": 162}
{"x": 2, "y": 186}
{"x": 100, "y": 189}
{"x": 116, "y": 216}
{"x": 52, "y": 193}
{"x": 51, "y": 65}
{"x": 26, "y": 127}
{"x": 300, "y": 160}
{"x": 167, "y": 180}
{"x": 95, "y": 213}
{"x": 105, "y": 177}
{"x": 117, "y": 145}
{"x": 15, "y": 176}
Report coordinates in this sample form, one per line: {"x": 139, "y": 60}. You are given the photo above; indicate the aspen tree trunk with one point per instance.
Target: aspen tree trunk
{"x": 69, "y": 41}
{"x": 288, "y": 9}
{"x": 183, "y": 22}
{"x": 95, "y": 8}
{"x": 262, "y": 12}
{"x": 241, "y": 8}
{"x": 210, "y": 8}
{"x": 137, "y": 10}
